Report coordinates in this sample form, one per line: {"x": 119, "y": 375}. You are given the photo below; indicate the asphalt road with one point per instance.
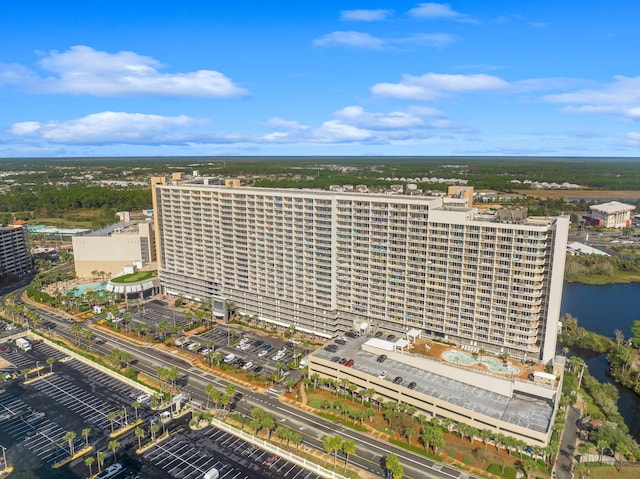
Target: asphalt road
{"x": 370, "y": 453}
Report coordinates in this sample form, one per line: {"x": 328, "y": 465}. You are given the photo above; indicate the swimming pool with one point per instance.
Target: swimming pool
{"x": 81, "y": 289}
{"x": 494, "y": 365}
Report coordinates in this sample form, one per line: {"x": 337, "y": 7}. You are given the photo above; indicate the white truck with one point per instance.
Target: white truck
{"x": 23, "y": 344}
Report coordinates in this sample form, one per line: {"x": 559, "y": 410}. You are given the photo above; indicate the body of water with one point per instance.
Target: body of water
{"x": 602, "y": 309}
{"x": 84, "y": 288}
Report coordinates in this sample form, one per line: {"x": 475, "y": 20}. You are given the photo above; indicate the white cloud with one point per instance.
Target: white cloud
{"x": 333, "y": 131}
{"x": 429, "y": 39}
{"x": 355, "y": 115}
{"x": 353, "y": 124}
{"x": 364, "y": 40}
{"x": 434, "y": 85}
{"x": 276, "y": 122}
{"x": 365, "y": 15}
{"x": 433, "y": 11}
{"x": 83, "y": 70}
{"x": 620, "y": 98}
{"x": 351, "y": 39}
{"x": 632, "y": 138}
{"x": 107, "y": 127}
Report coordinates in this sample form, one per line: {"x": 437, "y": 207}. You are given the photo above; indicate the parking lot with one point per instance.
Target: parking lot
{"x": 152, "y": 314}
{"x": 190, "y": 454}
{"x": 36, "y": 416}
{"x": 264, "y": 353}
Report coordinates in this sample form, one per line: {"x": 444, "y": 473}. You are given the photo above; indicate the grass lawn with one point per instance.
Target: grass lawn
{"x": 135, "y": 277}
{"x": 607, "y": 472}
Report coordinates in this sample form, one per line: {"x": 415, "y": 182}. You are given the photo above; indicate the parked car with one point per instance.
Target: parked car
{"x": 263, "y": 353}
{"x": 391, "y": 337}
{"x": 349, "y": 363}
{"x": 247, "y": 365}
{"x": 412, "y": 385}
{"x": 342, "y": 360}
{"x": 378, "y": 334}
{"x": 335, "y": 359}
{"x": 270, "y": 461}
{"x": 383, "y": 375}
{"x": 397, "y": 380}
{"x": 382, "y": 358}
{"x": 341, "y": 342}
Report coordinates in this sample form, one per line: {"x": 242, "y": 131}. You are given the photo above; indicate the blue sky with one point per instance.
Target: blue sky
{"x": 113, "y": 78}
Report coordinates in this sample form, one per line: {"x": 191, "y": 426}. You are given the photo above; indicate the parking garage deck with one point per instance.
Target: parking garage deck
{"x": 523, "y": 415}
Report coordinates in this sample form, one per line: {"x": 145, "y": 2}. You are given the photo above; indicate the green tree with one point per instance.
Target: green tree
{"x": 333, "y": 444}
{"x": 113, "y": 445}
{"x": 349, "y": 449}
{"x": 140, "y": 433}
{"x": 89, "y": 463}
{"x": 392, "y": 463}
{"x": 50, "y": 362}
{"x": 69, "y": 437}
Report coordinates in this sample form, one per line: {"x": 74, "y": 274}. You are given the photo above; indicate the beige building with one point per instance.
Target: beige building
{"x": 612, "y": 215}
{"x": 326, "y": 262}
{"x": 112, "y": 248}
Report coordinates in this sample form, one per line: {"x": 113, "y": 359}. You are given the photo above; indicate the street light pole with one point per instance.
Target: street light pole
{"x": 38, "y": 367}
{"x": 4, "y": 456}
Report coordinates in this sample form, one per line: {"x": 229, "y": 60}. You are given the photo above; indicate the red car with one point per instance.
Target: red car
{"x": 349, "y": 363}
{"x": 270, "y": 461}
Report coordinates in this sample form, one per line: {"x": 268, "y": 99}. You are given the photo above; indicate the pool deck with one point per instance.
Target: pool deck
{"x": 436, "y": 349}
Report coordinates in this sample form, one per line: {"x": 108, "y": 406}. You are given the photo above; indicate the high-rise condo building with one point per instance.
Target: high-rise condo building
{"x": 14, "y": 254}
{"x": 325, "y": 262}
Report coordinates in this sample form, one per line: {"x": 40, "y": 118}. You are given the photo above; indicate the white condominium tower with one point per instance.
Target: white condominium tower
{"x": 325, "y": 262}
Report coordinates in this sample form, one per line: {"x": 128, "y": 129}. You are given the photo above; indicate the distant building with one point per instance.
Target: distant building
{"x": 610, "y": 215}
{"x": 462, "y": 193}
{"x": 576, "y": 248}
{"x": 14, "y": 255}
{"x": 112, "y": 248}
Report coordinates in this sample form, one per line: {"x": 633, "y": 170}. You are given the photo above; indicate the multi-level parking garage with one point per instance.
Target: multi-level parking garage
{"x": 503, "y": 404}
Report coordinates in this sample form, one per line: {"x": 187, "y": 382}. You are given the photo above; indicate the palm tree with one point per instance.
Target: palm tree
{"x": 89, "y": 462}
{"x": 333, "y": 444}
{"x": 140, "y": 433}
{"x": 26, "y": 374}
{"x": 135, "y": 405}
{"x": 282, "y": 432}
{"x": 113, "y": 445}
{"x": 349, "y": 448}
{"x": 85, "y": 434}
{"x": 69, "y": 437}
{"x": 100, "y": 456}
{"x": 50, "y": 362}
{"x": 154, "y": 429}
{"x": 296, "y": 438}
{"x": 111, "y": 417}
{"x": 393, "y": 466}
{"x": 123, "y": 417}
